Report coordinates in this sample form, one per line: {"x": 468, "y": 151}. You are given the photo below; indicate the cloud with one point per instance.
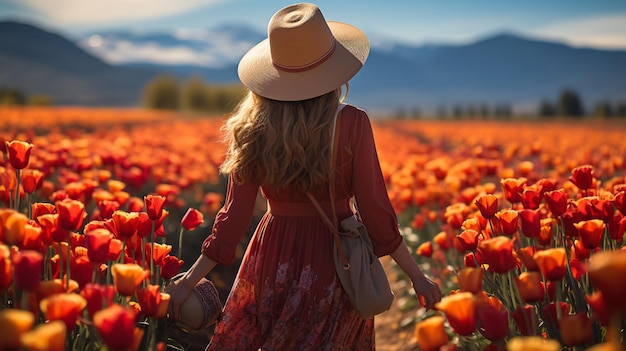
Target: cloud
{"x": 606, "y": 31}
{"x": 89, "y": 12}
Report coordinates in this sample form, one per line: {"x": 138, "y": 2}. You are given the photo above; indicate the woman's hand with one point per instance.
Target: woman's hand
{"x": 427, "y": 289}
{"x": 179, "y": 290}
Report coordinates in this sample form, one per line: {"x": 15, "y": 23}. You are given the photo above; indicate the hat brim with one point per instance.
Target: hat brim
{"x": 258, "y": 73}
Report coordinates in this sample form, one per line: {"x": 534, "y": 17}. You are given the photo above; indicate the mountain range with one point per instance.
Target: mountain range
{"x": 111, "y": 68}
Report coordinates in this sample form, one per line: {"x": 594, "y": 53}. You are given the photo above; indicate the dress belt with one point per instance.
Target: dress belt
{"x": 279, "y": 208}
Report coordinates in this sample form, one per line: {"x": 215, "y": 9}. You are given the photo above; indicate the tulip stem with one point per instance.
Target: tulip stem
{"x": 180, "y": 242}
{"x": 152, "y": 253}
{"x": 17, "y": 190}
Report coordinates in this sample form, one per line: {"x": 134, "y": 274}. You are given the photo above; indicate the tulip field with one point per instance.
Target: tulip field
{"x": 522, "y": 224}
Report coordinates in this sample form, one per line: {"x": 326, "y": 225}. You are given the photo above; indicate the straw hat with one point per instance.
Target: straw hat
{"x": 304, "y": 56}
{"x": 202, "y": 308}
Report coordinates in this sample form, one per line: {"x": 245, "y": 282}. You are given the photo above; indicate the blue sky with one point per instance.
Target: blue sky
{"x": 590, "y": 23}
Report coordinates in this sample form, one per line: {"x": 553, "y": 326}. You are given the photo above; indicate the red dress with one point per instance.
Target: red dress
{"x": 286, "y": 295}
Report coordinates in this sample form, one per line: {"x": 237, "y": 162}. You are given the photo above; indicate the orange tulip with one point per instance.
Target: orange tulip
{"x": 526, "y": 255}
{"x": 13, "y": 225}
{"x": 470, "y": 279}
{"x": 590, "y": 232}
{"x": 46, "y": 337}
{"x": 159, "y": 253}
{"x": 460, "y": 310}
{"x": 431, "y": 334}
{"x": 551, "y": 263}
{"x": 14, "y": 323}
{"x": 530, "y": 287}
{"x": 468, "y": 239}
{"x": 425, "y": 249}
{"x": 508, "y": 221}
{"x": 576, "y": 329}
{"x": 127, "y": 277}
{"x": 604, "y": 268}
{"x": 115, "y": 325}
{"x": 487, "y": 205}
{"x": 532, "y": 343}
{"x": 163, "y": 305}
{"x": 19, "y": 153}
{"x": 66, "y": 307}
{"x": 125, "y": 224}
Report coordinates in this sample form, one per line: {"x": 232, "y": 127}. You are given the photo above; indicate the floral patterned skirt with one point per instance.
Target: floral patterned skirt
{"x": 287, "y": 296}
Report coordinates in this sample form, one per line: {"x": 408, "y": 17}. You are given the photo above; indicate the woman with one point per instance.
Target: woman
{"x": 287, "y": 295}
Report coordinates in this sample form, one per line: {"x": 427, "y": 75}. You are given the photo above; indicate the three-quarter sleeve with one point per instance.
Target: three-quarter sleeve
{"x": 370, "y": 190}
{"x": 231, "y": 222}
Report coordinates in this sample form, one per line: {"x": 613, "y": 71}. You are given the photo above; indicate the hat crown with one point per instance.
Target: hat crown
{"x": 299, "y": 37}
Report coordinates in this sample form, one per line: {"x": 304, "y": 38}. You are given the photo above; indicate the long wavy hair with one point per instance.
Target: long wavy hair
{"x": 281, "y": 143}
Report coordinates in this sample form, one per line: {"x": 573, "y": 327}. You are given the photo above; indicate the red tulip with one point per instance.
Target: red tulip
{"x": 530, "y": 223}
{"x": 170, "y": 267}
{"x": 550, "y": 313}
{"x": 41, "y": 208}
{"x": 494, "y": 322}
{"x": 600, "y": 309}
{"x": 498, "y": 254}
{"x": 526, "y": 318}
{"x": 97, "y": 296}
{"x": 107, "y": 207}
{"x": 154, "y": 206}
{"x": 31, "y": 180}
{"x": 582, "y": 177}
{"x": 620, "y": 202}
{"x": 513, "y": 188}
{"x": 526, "y": 255}
{"x": 116, "y": 326}
{"x": 27, "y": 269}
{"x": 6, "y": 269}
{"x": 149, "y": 299}
{"x": 556, "y": 201}
{"x": 192, "y": 219}
{"x": 531, "y": 198}
{"x": 19, "y": 153}
{"x": 71, "y": 214}
{"x": 97, "y": 242}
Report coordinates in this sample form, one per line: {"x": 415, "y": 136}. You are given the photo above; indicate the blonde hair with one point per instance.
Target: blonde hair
{"x": 281, "y": 143}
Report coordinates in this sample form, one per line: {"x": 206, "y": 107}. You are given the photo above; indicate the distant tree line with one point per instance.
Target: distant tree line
{"x": 569, "y": 104}
{"x": 16, "y": 97}
{"x": 166, "y": 92}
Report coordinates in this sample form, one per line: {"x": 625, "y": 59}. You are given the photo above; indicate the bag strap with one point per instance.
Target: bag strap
{"x": 327, "y": 221}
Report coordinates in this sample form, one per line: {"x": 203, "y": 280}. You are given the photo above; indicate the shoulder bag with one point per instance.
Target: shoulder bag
{"x": 359, "y": 270}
